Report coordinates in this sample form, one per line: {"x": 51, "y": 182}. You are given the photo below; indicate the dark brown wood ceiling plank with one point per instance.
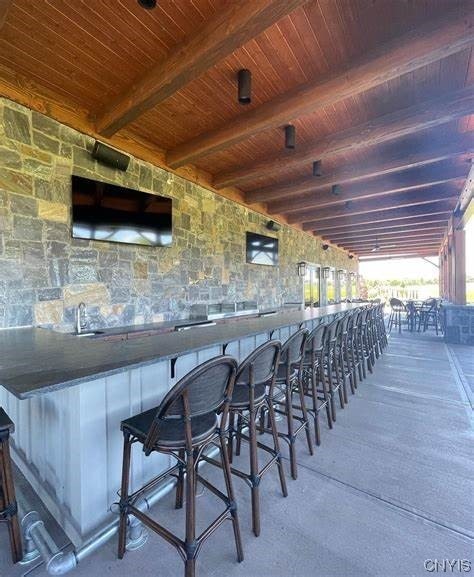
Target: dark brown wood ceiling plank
{"x": 376, "y": 189}
{"x": 394, "y": 250}
{"x": 233, "y": 26}
{"x": 41, "y": 75}
{"x": 5, "y": 6}
{"x": 407, "y": 224}
{"x": 353, "y": 172}
{"x": 387, "y": 238}
{"x": 442, "y": 207}
{"x": 380, "y": 130}
{"x": 397, "y": 240}
{"x": 404, "y": 199}
{"x": 409, "y": 254}
{"x": 416, "y": 49}
{"x": 381, "y": 233}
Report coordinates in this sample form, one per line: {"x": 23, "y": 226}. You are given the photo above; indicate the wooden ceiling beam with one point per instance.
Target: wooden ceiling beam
{"x": 379, "y": 188}
{"x": 429, "y": 219}
{"x": 235, "y": 24}
{"x": 393, "y": 250}
{"x": 398, "y": 255}
{"x": 397, "y": 241}
{"x": 408, "y": 231}
{"x": 419, "y": 47}
{"x": 402, "y": 246}
{"x": 379, "y": 130}
{"x": 435, "y": 208}
{"x": 356, "y": 241}
{"x": 353, "y": 173}
{"x": 405, "y": 199}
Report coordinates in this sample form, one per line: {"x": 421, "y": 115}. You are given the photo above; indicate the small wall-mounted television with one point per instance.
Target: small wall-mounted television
{"x": 109, "y": 212}
{"x": 261, "y": 249}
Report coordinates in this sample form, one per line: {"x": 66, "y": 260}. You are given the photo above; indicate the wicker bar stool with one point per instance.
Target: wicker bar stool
{"x": 381, "y": 330}
{"x": 365, "y": 342}
{"x": 355, "y": 348}
{"x": 8, "y": 505}
{"x": 314, "y": 382}
{"x": 183, "y": 426}
{"x": 289, "y": 384}
{"x": 255, "y": 376}
{"x": 372, "y": 334}
{"x": 344, "y": 359}
{"x": 331, "y": 366}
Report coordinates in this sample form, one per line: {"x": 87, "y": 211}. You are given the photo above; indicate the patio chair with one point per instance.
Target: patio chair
{"x": 183, "y": 426}
{"x": 398, "y": 309}
{"x": 429, "y": 315}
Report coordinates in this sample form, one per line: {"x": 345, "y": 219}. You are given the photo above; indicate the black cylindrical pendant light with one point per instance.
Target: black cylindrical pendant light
{"x": 290, "y": 137}
{"x": 147, "y": 4}
{"x": 336, "y": 189}
{"x": 244, "y": 80}
{"x": 317, "y": 168}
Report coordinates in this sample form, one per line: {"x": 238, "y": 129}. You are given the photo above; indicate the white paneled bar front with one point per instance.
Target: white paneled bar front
{"x": 68, "y": 443}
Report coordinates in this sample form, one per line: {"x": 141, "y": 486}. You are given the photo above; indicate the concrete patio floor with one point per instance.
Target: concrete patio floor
{"x": 390, "y": 486}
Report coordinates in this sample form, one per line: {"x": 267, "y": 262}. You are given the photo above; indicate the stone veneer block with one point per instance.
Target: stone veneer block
{"x": 17, "y": 125}
{"x": 49, "y": 312}
{"x": 53, "y": 211}
{"x": 95, "y": 293}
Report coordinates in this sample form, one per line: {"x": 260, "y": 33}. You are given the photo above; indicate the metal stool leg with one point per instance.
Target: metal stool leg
{"x": 8, "y": 506}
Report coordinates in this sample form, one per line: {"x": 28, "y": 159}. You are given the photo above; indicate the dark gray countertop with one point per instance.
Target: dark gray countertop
{"x": 35, "y": 361}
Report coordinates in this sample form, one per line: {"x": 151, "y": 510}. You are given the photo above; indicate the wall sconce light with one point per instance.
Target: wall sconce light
{"x": 325, "y": 246}
{"x": 244, "y": 82}
{"x": 301, "y": 268}
{"x": 290, "y": 136}
{"x": 326, "y": 271}
{"x": 317, "y": 168}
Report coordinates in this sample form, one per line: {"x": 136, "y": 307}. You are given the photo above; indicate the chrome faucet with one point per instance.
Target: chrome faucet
{"x": 81, "y": 318}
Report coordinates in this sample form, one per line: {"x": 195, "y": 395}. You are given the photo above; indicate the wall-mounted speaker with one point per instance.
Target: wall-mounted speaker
{"x": 110, "y": 156}
{"x": 273, "y": 225}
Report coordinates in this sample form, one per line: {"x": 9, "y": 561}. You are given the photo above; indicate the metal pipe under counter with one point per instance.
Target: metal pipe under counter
{"x": 71, "y": 394}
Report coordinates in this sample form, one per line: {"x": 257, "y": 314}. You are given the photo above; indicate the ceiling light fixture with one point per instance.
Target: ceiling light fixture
{"x": 290, "y": 137}
{"x": 317, "y": 168}
{"x": 147, "y": 4}
{"x": 244, "y": 83}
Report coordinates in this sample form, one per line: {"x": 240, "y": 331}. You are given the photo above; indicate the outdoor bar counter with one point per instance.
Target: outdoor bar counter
{"x": 67, "y": 396}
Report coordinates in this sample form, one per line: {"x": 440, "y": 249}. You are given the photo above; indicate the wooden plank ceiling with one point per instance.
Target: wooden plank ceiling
{"x": 380, "y": 91}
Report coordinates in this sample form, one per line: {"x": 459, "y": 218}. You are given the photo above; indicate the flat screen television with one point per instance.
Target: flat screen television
{"x": 261, "y": 249}
{"x": 109, "y": 212}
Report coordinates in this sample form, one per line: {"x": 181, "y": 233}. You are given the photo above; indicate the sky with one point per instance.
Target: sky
{"x": 409, "y": 268}
{"x": 416, "y": 267}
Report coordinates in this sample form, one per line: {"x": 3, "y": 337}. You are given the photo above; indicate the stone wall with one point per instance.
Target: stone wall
{"x": 44, "y": 273}
{"x": 459, "y": 324}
